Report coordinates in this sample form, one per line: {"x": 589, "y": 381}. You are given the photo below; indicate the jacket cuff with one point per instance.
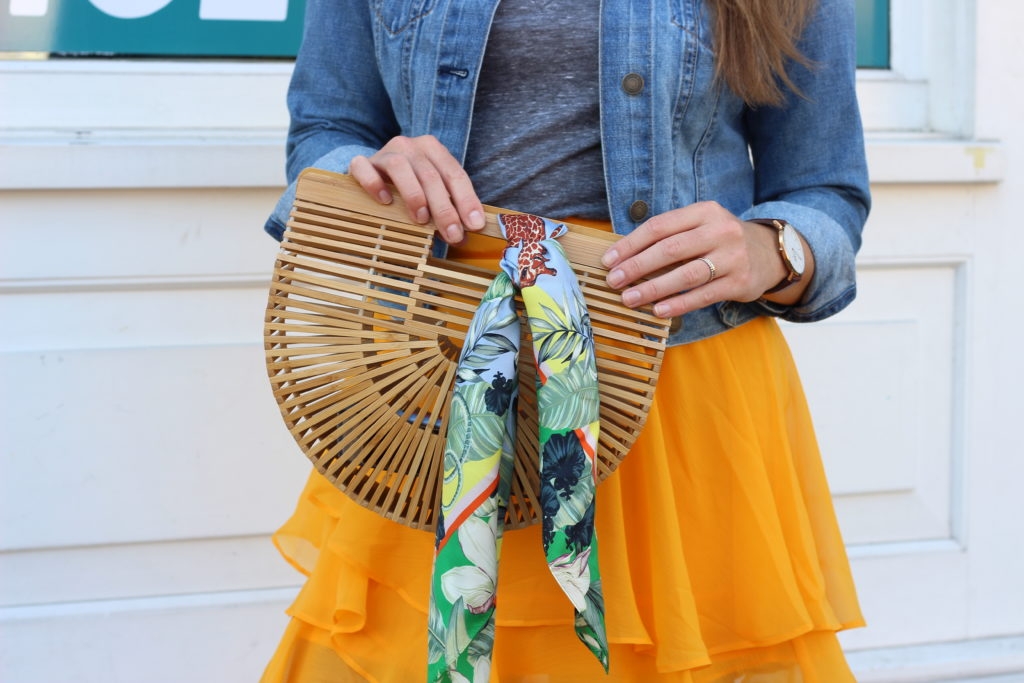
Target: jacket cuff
{"x": 834, "y": 284}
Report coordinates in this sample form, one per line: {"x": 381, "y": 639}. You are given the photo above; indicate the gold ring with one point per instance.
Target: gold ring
{"x": 712, "y": 271}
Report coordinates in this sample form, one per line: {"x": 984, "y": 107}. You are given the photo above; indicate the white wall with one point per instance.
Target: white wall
{"x": 143, "y": 463}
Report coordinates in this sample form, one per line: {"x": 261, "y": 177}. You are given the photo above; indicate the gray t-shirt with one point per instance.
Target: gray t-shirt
{"x": 534, "y": 142}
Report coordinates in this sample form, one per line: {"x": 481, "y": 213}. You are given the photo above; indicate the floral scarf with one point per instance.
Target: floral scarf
{"x": 478, "y": 457}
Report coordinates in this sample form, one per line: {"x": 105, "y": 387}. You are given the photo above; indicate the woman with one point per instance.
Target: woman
{"x": 721, "y": 139}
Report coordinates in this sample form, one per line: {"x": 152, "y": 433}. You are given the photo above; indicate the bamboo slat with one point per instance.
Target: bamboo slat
{"x": 362, "y": 333}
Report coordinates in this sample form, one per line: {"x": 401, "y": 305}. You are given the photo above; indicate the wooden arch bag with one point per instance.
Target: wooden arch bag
{"x": 363, "y": 331}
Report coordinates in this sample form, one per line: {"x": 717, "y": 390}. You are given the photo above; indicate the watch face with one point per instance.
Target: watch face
{"x": 794, "y": 248}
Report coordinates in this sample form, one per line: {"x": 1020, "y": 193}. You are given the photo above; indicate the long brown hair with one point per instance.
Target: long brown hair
{"x": 754, "y": 41}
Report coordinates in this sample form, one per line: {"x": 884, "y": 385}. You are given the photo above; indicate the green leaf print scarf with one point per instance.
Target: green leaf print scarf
{"x": 478, "y": 455}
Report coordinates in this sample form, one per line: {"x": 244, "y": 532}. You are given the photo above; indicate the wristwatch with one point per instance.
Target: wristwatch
{"x": 791, "y": 249}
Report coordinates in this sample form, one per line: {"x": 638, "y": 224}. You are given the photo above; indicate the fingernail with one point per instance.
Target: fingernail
{"x": 384, "y": 196}
{"x": 610, "y": 258}
{"x": 661, "y": 310}
{"x": 454, "y": 234}
{"x": 422, "y": 216}
{"x": 476, "y": 220}
{"x": 631, "y": 297}
{"x": 616, "y": 278}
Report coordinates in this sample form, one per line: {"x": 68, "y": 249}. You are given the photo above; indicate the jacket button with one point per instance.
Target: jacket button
{"x": 633, "y": 83}
{"x": 676, "y": 324}
{"x": 638, "y": 210}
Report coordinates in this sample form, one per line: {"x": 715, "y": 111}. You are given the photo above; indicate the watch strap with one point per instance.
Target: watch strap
{"x": 791, "y": 275}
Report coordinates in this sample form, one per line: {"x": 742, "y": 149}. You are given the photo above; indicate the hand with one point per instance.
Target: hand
{"x": 429, "y": 179}
{"x": 668, "y": 247}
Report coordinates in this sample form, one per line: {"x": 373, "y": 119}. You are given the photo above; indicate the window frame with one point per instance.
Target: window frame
{"x": 931, "y": 67}
{"x": 85, "y": 123}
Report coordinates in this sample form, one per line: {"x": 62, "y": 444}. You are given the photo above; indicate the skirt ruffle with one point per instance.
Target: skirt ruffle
{"x": 720, "y": 555}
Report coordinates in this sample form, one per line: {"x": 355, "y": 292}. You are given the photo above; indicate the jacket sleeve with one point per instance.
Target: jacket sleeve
{"x": 337, "y": 101}
{"x": 809, "y": 162}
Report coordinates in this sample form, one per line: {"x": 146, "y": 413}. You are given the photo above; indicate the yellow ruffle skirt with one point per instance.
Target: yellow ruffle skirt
{"x": 720, "y": 555}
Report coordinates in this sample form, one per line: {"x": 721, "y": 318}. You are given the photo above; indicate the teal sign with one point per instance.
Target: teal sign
{"x": 153, "y": 28}
{"x": 235, "y": 28}
{"x": 873, "y": 34}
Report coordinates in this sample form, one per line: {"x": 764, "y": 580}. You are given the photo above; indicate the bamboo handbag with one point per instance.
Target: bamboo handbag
{"x": 363, "y": 330}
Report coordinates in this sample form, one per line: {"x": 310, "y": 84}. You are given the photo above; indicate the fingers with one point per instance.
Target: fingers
{"x": 664, "y": 230}
{"x": 689, "y": 283}
{"x": 428, "y": 178}
{"x": 667, "y": 239}
{"x": 668, "y": 252}
{"x": 687, "y": 259}
{"x": 692, "y": 300}
{"x": 370, "y": 179}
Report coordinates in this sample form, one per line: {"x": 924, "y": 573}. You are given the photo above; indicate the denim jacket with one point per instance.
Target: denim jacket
{"x": 369, "y": 70}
